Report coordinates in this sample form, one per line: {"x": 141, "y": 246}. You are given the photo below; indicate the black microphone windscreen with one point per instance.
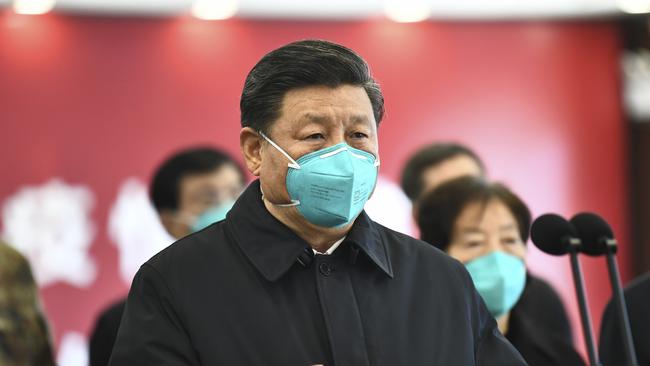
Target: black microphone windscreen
{"x": 550, "y": 232}
{"x": 592, "y": 229}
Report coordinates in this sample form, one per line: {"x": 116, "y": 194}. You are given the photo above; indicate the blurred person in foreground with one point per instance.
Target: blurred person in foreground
{"x": 24, "y": 336}
{"x": 190, "y": 190}
{"x": 297, "y": 273}
{"x": 611, "y": 347}
{"x": 485, "y": 226}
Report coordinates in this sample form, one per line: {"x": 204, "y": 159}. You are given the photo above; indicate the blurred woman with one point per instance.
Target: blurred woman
{"x": 485, "y": 226}
{"x": 24, "y": 339}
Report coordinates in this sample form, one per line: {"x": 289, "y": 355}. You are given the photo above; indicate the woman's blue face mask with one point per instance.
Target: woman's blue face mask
{"x": 500, "y": 279}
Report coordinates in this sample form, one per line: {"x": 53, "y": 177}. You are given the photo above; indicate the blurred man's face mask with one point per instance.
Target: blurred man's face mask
{"x": 208, "y": 217}
{"x": 212, "y": 215}
{"x": 330, "y": 186}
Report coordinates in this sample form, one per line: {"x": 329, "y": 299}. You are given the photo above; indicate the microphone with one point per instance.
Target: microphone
{"x": 554, "y": 235}
{"x": 598, "y": 239}
{"x": 595, "y": 233}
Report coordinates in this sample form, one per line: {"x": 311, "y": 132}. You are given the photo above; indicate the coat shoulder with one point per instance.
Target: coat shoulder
{"x": 190, "y": 250}
{"x": 406, "y": 251}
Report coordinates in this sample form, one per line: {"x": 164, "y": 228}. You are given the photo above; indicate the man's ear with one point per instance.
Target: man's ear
{"x": 414, "y": 211}
{"x": 250, "y": 143}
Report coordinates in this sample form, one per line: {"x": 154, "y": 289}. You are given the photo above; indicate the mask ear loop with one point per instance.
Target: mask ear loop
{"x": 293, "y": 202}
{"x": 377, "y": 163}
{"x": 293, "y": 164}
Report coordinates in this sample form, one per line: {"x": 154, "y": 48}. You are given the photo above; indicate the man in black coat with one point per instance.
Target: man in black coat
{"x": 611, "y": 346}
{"x": 189, "y": 190}
{"x": 297, "y": 273}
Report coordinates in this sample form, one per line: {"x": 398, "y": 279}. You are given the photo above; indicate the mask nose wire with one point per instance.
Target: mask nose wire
{"x": 332, "y": 153}
{"x": 293, "y": 163}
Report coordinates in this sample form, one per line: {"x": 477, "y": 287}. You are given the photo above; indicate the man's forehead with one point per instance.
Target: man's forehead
{"x": 475, "y": 227}
{"x": 317, "y": 104}
{"x": 311, "y": 116}
{"x": 342, "y": 95}
{"x": 223, "y": 175}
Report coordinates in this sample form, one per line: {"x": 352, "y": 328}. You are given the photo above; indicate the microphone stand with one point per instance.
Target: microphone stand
{"x": 578, "y": 281}
{"x": 619, "y": 302}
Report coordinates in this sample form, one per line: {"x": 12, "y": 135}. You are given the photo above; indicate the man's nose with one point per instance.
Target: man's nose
{"x": 336, "y": 137}
{"x": 494, "y": 244}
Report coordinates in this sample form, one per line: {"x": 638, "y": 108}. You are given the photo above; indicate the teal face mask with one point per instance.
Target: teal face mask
{"x": 330, "y": 186}
{"x": 500, "y": 279}
{"x": 212, "y": 215}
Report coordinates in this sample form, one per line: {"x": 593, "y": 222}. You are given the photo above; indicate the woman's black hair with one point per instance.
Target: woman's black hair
{"x": 439, "y": 209}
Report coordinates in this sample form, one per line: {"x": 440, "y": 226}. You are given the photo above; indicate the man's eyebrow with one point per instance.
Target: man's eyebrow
{"x": 323, "y": 119}
{"x": 507, "y": 227}
{"x": 471, "y": 230}
{"x": 359, "y": 118}
{"x": 313, "y": 117}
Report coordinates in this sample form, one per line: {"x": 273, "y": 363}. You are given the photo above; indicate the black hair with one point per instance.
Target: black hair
{"x": 439, "y": 209}
{"x": 165, "y": 185}
{"x": 427, "y": 157}
{"x": 302, "y": 64}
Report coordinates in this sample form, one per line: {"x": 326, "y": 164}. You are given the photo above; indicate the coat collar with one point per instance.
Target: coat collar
{"x": 273, "y": 248}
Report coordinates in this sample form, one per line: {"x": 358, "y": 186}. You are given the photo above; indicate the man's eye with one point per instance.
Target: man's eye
{"x": 315, "y": 136}
{"x": 359, "y": 135}
{"x": 510, "y": 241}
{"x": 473, "y": 244}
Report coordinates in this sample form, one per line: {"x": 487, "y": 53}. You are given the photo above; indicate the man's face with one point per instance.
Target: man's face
{"x": 200, "y": 192}
{"x": 455, "y": 167}
{"x": 313, "y": 118}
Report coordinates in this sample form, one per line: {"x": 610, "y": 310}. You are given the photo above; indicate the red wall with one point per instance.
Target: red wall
{"x": 95, "y": 100}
